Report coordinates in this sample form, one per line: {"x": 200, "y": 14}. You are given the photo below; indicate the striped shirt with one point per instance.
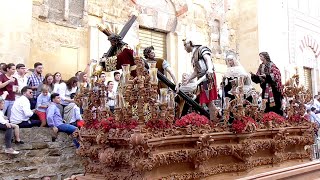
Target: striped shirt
{"x": 34, "y": 80}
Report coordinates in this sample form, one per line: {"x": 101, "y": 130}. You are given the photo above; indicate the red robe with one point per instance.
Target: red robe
{"x": 126, "y": 57}
{"x": 212, "y": 94}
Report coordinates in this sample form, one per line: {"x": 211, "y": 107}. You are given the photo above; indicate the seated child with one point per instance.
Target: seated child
{"x": 43, "y": 101}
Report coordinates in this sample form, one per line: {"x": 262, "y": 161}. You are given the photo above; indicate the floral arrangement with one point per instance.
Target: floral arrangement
{"x": 192, "y": 119}
{"x": 110, "y": 123}
{"x": 239, "y": 126}
{"x": 298, "y": 118}
{"x": 158, "y": 124}
{"x": 273, "y": 117}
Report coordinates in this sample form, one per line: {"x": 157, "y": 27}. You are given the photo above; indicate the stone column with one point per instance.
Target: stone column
{"x": 66, "y": 10}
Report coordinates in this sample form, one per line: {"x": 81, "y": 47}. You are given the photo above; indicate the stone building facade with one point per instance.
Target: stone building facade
{"x": 291, "y": 34}
{"x": 63, "y": 33}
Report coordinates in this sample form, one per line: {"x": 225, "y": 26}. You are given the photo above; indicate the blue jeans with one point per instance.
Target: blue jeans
{"x": 67, "y": 128}
{"x": 7, "y": 107}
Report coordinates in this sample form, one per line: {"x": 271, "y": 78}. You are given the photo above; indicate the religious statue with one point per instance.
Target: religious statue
{"x": 203, "y": 69}
{"x": 269, "y": 78}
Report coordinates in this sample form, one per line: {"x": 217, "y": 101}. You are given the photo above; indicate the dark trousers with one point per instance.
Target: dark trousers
{"x": 33, "y": 103}
{"x": 8, "y": 135}
{"x": 30, "y": 124}
{"x": 111, "y": 109}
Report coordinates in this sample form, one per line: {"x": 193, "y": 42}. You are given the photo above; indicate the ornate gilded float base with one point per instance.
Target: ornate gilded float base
{"x": 128, "y": 155}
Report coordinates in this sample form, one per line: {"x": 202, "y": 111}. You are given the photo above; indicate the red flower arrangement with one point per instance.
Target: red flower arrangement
{"x": 274, "y": 117}
{"x": 297, "y": 118}
{"x": 193, "y": 119}
{"x": 158, "y": 124}
{"x": 239, "y": 126}
{"x": 110, "y": 123}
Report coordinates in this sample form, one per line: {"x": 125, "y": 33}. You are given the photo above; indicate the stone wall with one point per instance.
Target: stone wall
{"x": 63, "y": 35}
{"x": 15, "y": 30}
{"x": 59, "y": 37}
{"x": 39, "y": 156}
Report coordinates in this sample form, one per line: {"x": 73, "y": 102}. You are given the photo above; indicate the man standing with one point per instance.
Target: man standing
{"x": 102, "y": 78}
{"x": 161, "y": 64}
{"x": 203, "y": 69}
{"x": 21, "y": 112}
{"x": 21, "y": 77}
{"x": 34, "y": 80}
{"x": 116, "y": 76}
{"x": 111, "y": 95}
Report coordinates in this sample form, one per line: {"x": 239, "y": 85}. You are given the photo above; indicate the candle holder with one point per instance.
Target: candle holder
{"x": 152, "y": 64}
{"x": 125, "y": 73}
{"x": 85, "y": 102}
{"x": 263, "y": 104}
{"x": 126, "y": 68}
{"x": 103, "y": 102}
{"x": 241, "y": 81}
{"x": 153, "y": 75}
{"x": 170, "y": 99}
{"x": 119, "y": 101}
{"x": 226, "y": 103}
{"x": 92, "y": 81}
{"x": 255, "y": 98}
{"x": 301, "y": 98}
{"x": 163, "y": 95}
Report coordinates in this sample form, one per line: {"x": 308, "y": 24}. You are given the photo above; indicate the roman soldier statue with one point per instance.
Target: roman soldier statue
{"x": 204, "y": 70}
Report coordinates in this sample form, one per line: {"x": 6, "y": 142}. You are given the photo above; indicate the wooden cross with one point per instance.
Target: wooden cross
{"x": 160, "y": 76}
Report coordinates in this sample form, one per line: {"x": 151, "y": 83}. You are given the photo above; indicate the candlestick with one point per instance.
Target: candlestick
{"x": 163, "y": 95}
{"x": 241, "y": 81}
{"x": 153, "y": 75}
{"x": 226, "y": 103}
{"x": 126, "y": 73}
{"x": 85, "y": 102}
{"x": 138, "y": 50}
{"x": 152, "y": 64}
{"x": 263, "y": 104}
{"x": 170, "y": 98}
{"x": 119, "y": 101}
{"x": 126, "y": 68}
{"x": 255, "y": 98}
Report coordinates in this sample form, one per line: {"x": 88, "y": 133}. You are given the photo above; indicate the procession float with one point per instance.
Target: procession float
{"x": 142, "y": 139}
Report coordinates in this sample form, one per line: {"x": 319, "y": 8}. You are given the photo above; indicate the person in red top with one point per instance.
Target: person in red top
{"x": 10, "y": 84}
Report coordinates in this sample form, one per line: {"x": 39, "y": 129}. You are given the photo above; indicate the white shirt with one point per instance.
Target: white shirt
{"x": 316, "y": 104}
{"x": 111, "y": 95}
{"x": 22, "y": 82}
{"x": 115, "y": 86}
{"x": 2, "y": 119}
{"x": 56, "y": 87}
{"x": 20, "y": 110}
{"x": 65, "y": 93}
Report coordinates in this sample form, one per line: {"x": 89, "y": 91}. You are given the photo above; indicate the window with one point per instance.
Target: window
{"x": 153, "y": 38}
{"x": 307, "y": 78}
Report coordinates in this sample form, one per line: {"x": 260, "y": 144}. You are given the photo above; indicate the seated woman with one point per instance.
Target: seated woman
{"x": 8, "y": 128}
{"x": 234, "y": 71}
{"x": 269, "y": 78}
